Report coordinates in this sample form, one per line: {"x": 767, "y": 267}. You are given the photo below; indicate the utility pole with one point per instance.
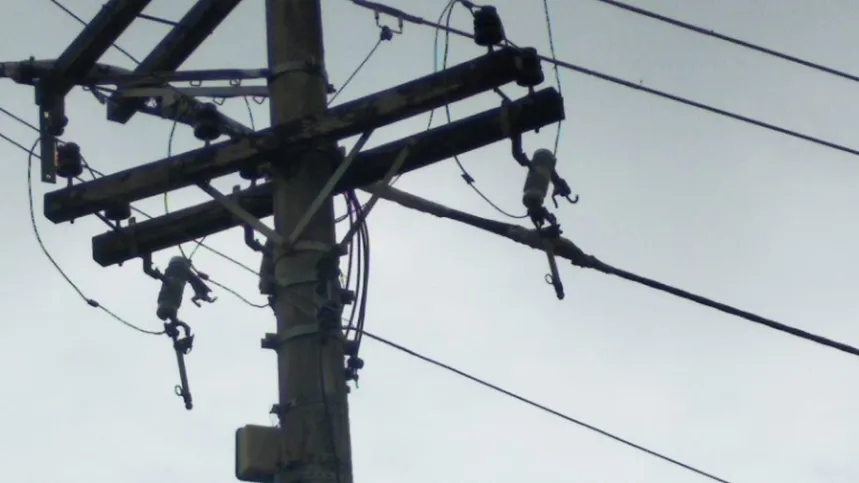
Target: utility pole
{"x": 312, "y": 389}
{"x": 294, "y": 169}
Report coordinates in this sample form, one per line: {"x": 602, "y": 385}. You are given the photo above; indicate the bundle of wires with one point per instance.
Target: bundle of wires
{"x": 357, "y": 268}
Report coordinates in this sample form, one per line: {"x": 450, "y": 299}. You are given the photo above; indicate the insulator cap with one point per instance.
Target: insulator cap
{"x": 207, "y": 125}
{"x": 69, "y": 161}
{"x": 355, "y": 363}
{"x": 488, "y": 29}
{"x": 118, "y": 212}
{"x": 530, "y": 70}
{"x": 251, "y": 173}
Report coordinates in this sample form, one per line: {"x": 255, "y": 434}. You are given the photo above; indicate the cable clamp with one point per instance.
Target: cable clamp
{"x": 309, "y": 66}
{"x": 275, "y": 341}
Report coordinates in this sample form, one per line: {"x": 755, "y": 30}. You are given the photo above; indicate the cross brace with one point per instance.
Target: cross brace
{"x": 450, "y": 85}
{"x": 175, "y": 48}
{"x": 540, "y": 109}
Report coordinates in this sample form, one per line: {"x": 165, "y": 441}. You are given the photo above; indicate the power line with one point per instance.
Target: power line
{"x": 548, "y": 16}
{"x": 385, "y": 34}
{"x": 733, "y": 40}
{"x": 21, "y": 120}
{"x": 56, "y": 265}
{"x": 594, "y": 263}
{"x": 616, "y": 80}
{"x": 84, "y": 22}
{"x": 541, "y": 407}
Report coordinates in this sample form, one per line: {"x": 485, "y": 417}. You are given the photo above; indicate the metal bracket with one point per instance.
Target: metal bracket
{"x": 327, "y": 189}
{"x": 311, "y": 66}
{"x": 275, "y": 341}
{"x": 213, "y": 91}
{"x": 240, "y": 213}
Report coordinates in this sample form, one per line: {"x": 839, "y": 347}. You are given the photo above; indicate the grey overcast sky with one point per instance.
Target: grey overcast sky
{"x": 740, "y": 214}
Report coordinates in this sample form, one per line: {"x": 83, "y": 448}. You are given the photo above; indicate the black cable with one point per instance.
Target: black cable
{"x": 155, "y": 19}
{"x": 84, "y": 22}
{"x": 548, "y": 16}
{"x": 633, "y": 85}
{"x": 466, "y": 176}
{"x": 354, "y": 266}
{"x": 541, "y": 407}
{"x": 166, "y": 196}
{"x": 14, "y": 143}
{"x": 600, "y": 266}
{"x": 733, "y": 40}
{"x": 364, "y": 237}
{"x": 56, "y": 265}
{"x": 234, "y": 293}
{"x": 21, "y": 120}
{"x": 358, "y": 69}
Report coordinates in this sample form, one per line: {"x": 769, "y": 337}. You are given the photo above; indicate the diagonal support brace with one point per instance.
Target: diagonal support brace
{"x": 389, "y": 175}
{"x": 325, "y": 193}
{"x": 240, "y": 212}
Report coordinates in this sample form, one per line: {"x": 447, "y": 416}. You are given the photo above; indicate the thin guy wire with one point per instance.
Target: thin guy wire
{"x": 236, "y": 294}
{"x": 541, "y": 407}
{"x": 84, "y": 22}
{"x": 21, "y": 120}
{"x": 733, "y": 40}
{"x": 632, "y": 85}
{"x": 53, "y": 261}
{"x": 357, "y": 69}
{"x": 548, "y": 16}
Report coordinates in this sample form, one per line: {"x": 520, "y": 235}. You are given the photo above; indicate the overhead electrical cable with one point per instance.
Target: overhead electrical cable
{"x": 616, "y": 80}
{"x": 733, "y": 40}
{"x": 542, "y": 407}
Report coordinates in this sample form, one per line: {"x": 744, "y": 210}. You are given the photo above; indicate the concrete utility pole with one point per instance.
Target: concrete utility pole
{"x": 292, "y": 168}
{"x": 312, "y": 405}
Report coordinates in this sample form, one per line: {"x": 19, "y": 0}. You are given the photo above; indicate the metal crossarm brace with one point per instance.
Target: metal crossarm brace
{"x": 240, "y": 213}
{"x": 374, "y": 198}
{"x": 541, "y": 109}
{"x": 181, "y": 109}
{"x": 134, "y": 79}
{"x": 406, "y": 100}
{"x": 24, "y": 71}
{"x": 213, "y": 91}
{"x": 175, "y": 48}
{"x": 326, "y": 190}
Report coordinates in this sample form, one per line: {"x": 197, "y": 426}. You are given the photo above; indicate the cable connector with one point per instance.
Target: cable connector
{"x": 182, "y": 346}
